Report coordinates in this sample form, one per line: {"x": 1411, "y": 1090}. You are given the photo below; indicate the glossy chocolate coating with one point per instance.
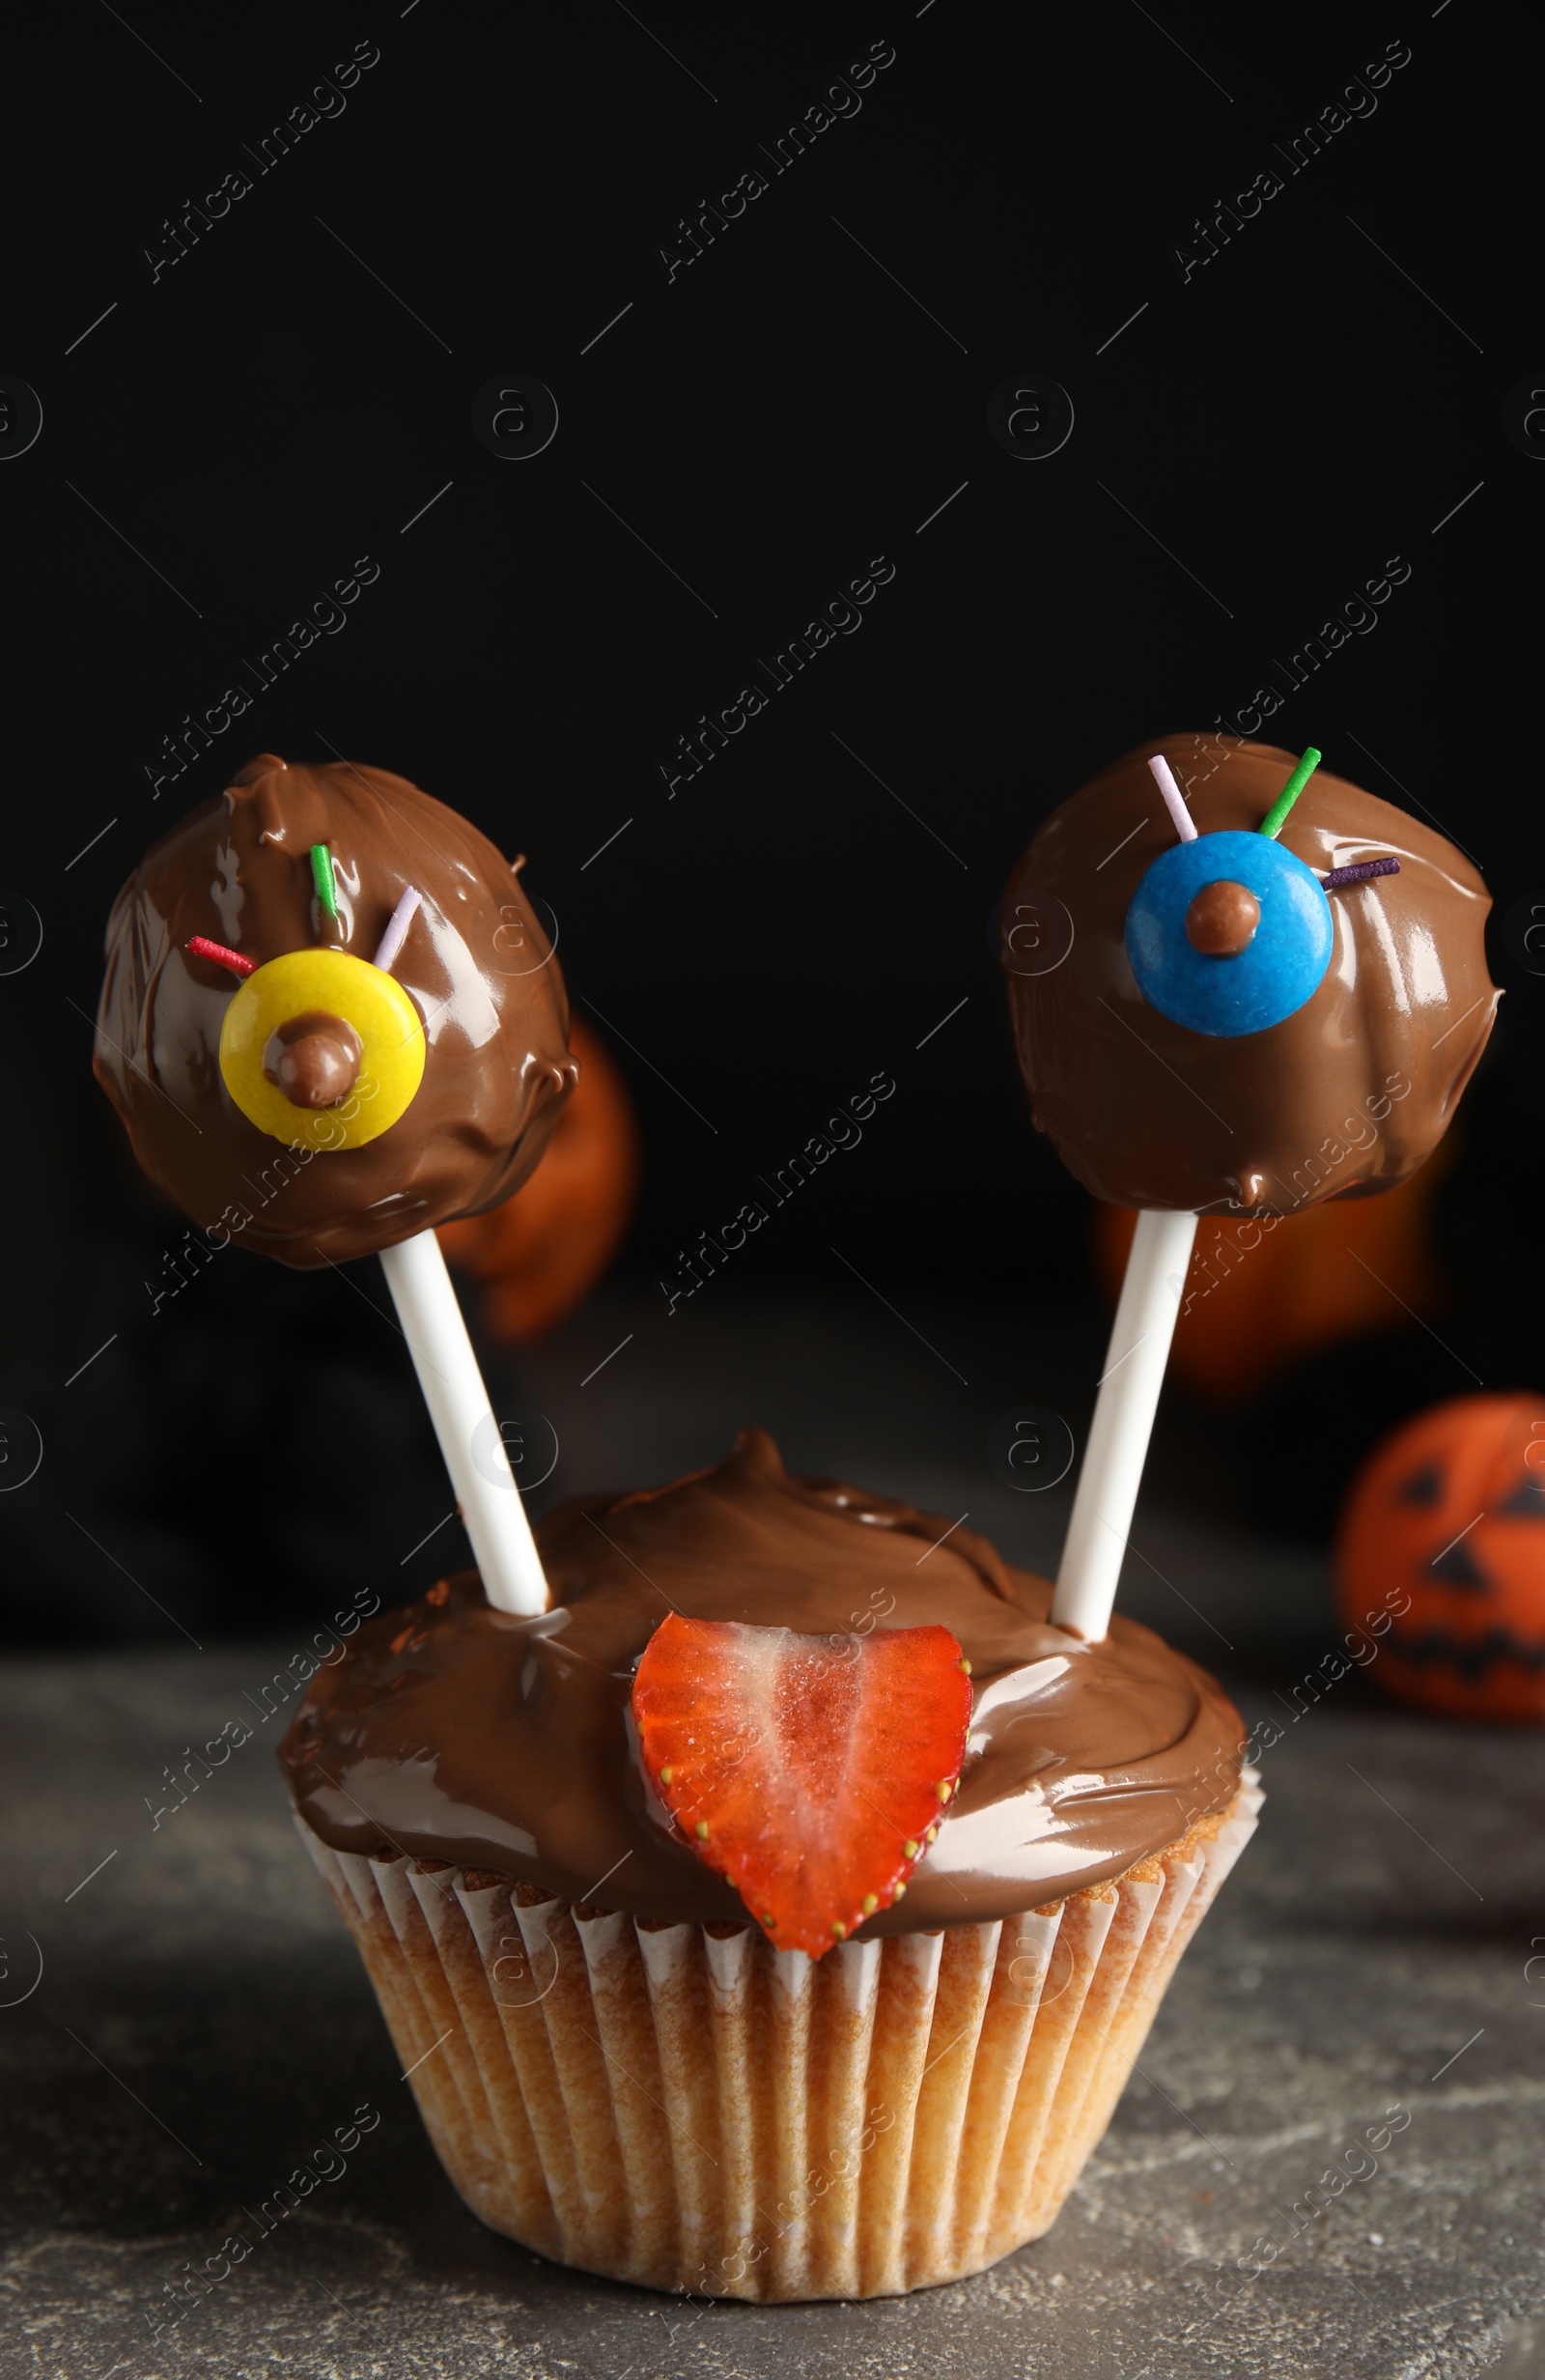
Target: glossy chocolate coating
{"x": 1347, "y": 1095}
{"x": 476, "y": 964}
{"x": 452, "y": 1731}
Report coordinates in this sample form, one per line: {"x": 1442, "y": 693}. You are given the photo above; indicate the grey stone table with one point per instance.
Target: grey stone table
{"x": 200, "y": 2024}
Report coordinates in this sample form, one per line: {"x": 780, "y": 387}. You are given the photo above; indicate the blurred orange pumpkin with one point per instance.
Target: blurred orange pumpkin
{"x": 1445, "y": 1525}
{"x": 544, "y": 1250}
{"x": 1261, "y": 1295}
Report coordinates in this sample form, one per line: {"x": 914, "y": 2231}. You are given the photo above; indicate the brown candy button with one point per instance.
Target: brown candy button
{"x": 1221, "y": 919}
{"x": 314, "y": 1058}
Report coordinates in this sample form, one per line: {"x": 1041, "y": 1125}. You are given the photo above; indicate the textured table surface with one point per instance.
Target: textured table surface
{"x": 201, "y": 2022}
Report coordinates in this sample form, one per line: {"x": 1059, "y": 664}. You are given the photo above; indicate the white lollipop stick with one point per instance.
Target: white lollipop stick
{"x": 1123, "y": 1421}
{"x": 1163, "y": 777}
{"x": 491, "y": 1510}
{"x": 470, "y": 1439}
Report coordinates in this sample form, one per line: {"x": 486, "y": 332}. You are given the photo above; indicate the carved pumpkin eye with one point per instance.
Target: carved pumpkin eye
{"x": 321, "y": 1050}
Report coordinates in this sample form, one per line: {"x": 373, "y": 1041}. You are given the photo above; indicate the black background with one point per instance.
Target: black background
{"x": 237, "y": 432}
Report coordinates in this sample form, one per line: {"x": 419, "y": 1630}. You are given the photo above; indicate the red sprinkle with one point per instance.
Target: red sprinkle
{"x": 203, "y": 947}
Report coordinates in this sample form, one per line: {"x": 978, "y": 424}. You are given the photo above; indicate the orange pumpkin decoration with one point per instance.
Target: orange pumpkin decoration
{"x": 1445, "y": 1527}
{"x": 545, "y": 1249}
{"x": 1261, "y": 1295}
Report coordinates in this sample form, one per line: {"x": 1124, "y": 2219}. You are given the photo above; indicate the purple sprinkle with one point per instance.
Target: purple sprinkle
{"x": 397, "y": 925}
{"x": 1359, "y": 875}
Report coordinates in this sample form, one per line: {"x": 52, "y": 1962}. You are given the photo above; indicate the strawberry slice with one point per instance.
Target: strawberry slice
{"x": 810, "y": 1772}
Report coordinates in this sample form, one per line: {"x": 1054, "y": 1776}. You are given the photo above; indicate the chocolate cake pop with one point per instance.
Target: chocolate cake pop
{"x": 1255, "y": 1015}
{"x": 331, "y": 1022}
{"x": 330, "y": 1017}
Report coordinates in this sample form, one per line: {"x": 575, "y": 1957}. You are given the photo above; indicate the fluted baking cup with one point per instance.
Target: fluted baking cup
{"x": 686, "y": 2107}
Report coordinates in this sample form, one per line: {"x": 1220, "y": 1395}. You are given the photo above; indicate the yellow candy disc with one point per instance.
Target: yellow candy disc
{"x": 303, "y": 983}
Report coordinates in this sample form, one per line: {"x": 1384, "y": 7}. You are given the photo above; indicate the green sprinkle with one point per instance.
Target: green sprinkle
{"x": 321, "y": 878}
{"x": 1271, "y": 824}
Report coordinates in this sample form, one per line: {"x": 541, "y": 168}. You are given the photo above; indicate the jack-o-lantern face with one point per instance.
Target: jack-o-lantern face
{"x": 1445, "y": 1525}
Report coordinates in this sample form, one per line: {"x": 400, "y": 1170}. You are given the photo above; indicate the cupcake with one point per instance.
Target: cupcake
{"x": 781, "y": 1914}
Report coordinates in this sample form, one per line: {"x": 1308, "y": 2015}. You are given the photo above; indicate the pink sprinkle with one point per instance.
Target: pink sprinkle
{"x": 1174, "y": 798}
{"x": 397, "y": 925}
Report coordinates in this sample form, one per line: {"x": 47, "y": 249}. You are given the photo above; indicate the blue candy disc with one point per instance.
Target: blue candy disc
{"x": 1278, "y": 969}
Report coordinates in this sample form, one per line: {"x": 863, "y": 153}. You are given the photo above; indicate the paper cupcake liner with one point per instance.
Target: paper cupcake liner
{"x": 686, "y": 2107}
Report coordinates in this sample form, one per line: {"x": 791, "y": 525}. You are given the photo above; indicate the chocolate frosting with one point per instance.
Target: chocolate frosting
{"x": 455, "y": 1731}
{"x": 1347, "y": 1097}
{"x": 475, "y": 962}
